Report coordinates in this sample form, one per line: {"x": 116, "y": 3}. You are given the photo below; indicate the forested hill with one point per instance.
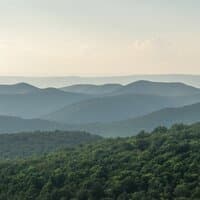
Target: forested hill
{"x": 161, "y": 165}
{"x": 23, "y": 145}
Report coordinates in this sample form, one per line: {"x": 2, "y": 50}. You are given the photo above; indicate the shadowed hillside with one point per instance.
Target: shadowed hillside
{"x": 165, "y": 117}
{"x": 15, "y": 124}
{"x": 22, "y": 145}
{"x": 38, "y": 102}
{"x": 115, "y": 108}
{"x": 110, "y": 108}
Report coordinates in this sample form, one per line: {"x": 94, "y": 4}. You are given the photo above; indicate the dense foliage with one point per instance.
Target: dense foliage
{"x": 161, "y": 165}
{"x": 21, "y": 145}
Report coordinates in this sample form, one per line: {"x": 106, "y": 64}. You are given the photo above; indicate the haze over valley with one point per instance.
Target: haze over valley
{"x": 108, "y": 110}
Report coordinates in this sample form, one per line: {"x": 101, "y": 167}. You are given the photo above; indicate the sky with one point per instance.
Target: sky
{"x": 99, "y": 37}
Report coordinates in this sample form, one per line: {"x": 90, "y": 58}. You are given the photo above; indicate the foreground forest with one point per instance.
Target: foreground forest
{"x": 163, "y": 164}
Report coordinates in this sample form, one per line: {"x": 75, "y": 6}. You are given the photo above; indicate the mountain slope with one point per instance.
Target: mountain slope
{"x": 138, "y": 87}
{"x": 37, "y": 103}
{"x": 107, "y": 109}
{"x": 161, "y": 165}
{"x": 16, "y": 124}
{"x": 165, "y": 117}
{"x": 20, "y": 88}
{"x": 23, "y": 145}
{"x": 27, "y": 101}
{"x": 115, "y": 108}
{"x": 158, "y": 88}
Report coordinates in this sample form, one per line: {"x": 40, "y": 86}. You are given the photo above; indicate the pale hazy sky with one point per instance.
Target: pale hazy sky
{"x": 99, "y": 37}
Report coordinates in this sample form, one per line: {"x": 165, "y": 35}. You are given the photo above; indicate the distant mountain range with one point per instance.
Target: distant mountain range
{"x": 165, "y": 117}
{"x": 64, "y": 81}
{"x": 114, "y": 108}
{"x": 110, "y": 109}
{"x": 138, "y": 87}
{"x": 87, "y": 104}
{"x": 158, "y": 88}
{"x": 20, "y": 88}
{"x": 123, "y": 102}
{"x": 26, "y": 101}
